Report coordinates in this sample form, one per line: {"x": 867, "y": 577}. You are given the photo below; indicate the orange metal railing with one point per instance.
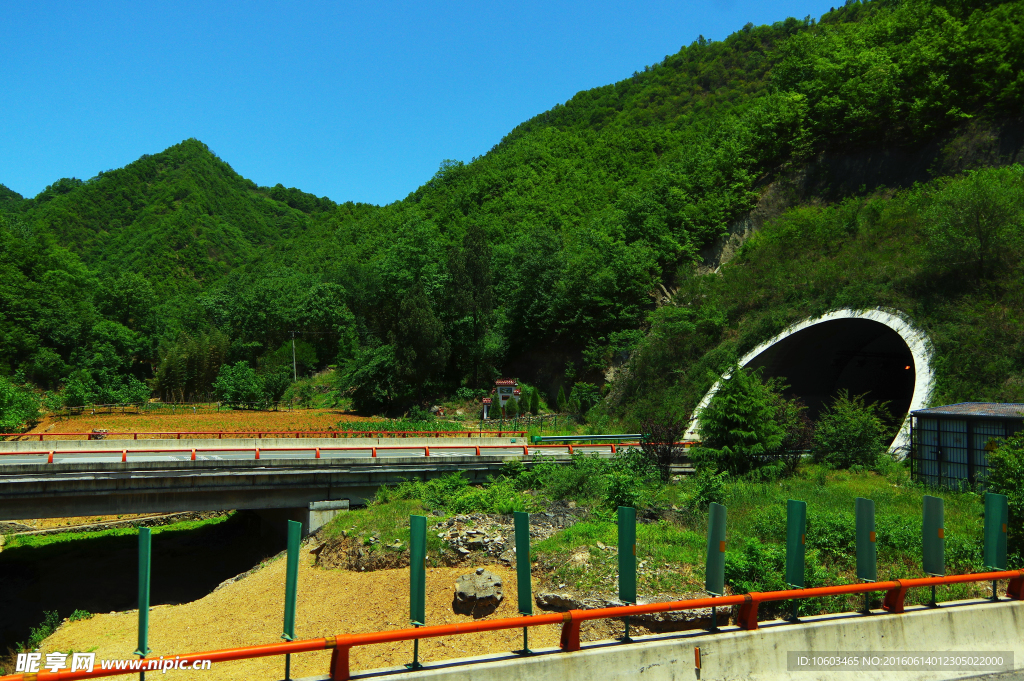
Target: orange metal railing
{"x": 258, "y": 434}
{"x": 315, "y": 452}
{"x": 896, "y": 591}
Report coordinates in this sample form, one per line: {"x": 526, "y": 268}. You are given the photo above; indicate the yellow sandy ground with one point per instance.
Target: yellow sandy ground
{"x": 250, "y": 612}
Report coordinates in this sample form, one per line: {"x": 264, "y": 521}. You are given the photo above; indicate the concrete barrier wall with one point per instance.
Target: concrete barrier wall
{"x": 249, "y": 443}
{"x": 964, "y": 627}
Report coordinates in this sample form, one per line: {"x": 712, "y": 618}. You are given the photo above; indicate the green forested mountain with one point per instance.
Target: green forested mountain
{"x": 551, "y": 256}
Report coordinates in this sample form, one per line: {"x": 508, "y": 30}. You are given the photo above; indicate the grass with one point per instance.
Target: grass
{"x": 36, "y": 541}
{"x": 671, "y": 550}
{"x": 390, "y": 524}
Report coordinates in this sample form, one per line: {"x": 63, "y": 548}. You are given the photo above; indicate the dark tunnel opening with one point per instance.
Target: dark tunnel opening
{"x": 858, "y": 355}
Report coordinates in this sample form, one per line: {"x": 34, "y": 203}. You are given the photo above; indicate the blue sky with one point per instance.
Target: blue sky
{"x": 357, "y": 102}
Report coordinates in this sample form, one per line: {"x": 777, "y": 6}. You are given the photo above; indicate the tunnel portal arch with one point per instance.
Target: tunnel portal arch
{"x": 878, "y": 352}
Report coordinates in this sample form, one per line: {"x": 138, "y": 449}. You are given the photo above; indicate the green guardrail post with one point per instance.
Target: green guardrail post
{"x": 417, "y": 580}
{"x": 714, "y": 581}
{"x": 291, "y": 584}
{"x": 627, "y": 560}
{"x": 867, "y": 548}
{"x": 933, "y": 540}
{"x": 524, "y": 587}
{"x": 796, "y": 544}
{"x": 997, "y": 515}
{"x": 145, "y": 560}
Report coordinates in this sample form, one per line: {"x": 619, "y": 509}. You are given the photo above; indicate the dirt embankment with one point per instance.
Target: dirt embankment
{"x": 249, "y": 611}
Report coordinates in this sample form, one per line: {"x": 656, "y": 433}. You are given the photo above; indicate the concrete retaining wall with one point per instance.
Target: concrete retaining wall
{"x": 249, "y": 443}
{"x": 964, "y": 627}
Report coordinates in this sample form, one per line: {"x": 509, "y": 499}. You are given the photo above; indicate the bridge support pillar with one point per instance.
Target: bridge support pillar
{"x": 274, "y": 521}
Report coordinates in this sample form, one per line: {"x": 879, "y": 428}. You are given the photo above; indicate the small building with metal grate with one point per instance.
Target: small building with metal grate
{"x": 950, "y": 444}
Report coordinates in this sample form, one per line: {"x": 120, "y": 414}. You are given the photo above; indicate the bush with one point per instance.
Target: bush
{"x": 238, "y": 384}
{"x": 625, "y": 490}
{"x": 850, "y": 432}
{"x": 1006, "y": 476}
{"x": 660, "y": 435}
{"x": 708, "y": 487}
{"x": 51, "y": 620}
{"x": 584, "y": 397}
{"x": 437, "y": 493}
{"x": 18, "y": 407}
{"x": 752, "y": 565}
{"x": 583, "y": 479}
{"x": 897, "y": 534}
{"x": 832, "y": 533}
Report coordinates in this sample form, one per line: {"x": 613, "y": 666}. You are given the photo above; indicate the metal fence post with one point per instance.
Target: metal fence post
{"x": 796, "y": 544}
{"x": 417, "y": 580}
{"x": 714, "y": 582}
{"x": 291, "y": 583}
{"x": 524, "y": 585}
{"x": 933, "y": 539}
{"x": 997, "y": 515}
{"x": 145, "y": 560}
{"x": 867, "y": 548}
{"x": 627, "y": 560}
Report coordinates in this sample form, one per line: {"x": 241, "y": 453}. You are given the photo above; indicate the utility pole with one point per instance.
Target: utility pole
{"x": 295, "y": 371}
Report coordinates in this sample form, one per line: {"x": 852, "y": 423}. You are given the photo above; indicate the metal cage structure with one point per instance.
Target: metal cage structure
{"x": 949, "y": 445}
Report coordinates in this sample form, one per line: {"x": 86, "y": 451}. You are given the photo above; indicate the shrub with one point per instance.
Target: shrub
{"x": 660, "y": 434}
{"x": 752, "y": 565}
{"x": 512, "y": 408}
{"x": 18, "y": 407}
{"x": 51, "y": 620}
{"x": 1006, "y": 476}
{"x": 849, "y": 433}
{"x": 238, "y": 384}
{"x": 625, "y": 489}
{"x": 897, "y": 534}
{"x": 584, "y": 397}
{"x": 708, "y": 487}
{"x": 439, "y": 492}
{"x": 583, "y": 479}
{"x": 832, "y": 533}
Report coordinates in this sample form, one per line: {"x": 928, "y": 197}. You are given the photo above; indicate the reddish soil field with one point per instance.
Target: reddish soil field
{"x": 205, "y": 421}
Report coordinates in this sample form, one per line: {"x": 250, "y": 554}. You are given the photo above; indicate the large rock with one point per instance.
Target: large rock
{"x": 478, "y": 594}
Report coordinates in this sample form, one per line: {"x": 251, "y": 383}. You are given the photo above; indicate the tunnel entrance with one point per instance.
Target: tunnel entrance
{"x": 860, "y": 356}
{"x": 878, "y": 353}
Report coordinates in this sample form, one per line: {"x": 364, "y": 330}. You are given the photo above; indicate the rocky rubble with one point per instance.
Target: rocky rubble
{"x": 495, "y": 534}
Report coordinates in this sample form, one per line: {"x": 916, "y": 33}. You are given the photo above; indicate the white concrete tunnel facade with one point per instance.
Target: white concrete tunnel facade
{"x": 918, "y": 347}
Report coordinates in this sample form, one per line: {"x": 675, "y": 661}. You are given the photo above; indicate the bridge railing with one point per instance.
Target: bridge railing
{"x": 259, "y": 434}
{"x": 340, "y": 645}
{"x": 315, "y": 452}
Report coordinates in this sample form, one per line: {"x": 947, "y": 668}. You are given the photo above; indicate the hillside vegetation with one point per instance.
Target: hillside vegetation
{"x": 578, "y": 241}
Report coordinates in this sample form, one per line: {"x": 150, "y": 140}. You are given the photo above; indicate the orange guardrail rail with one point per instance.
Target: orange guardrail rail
{"x": 895, "y": 593}
{"x": 258, "y": 434}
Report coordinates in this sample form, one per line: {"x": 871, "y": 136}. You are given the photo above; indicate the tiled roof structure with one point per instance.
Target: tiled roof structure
{"x": 983, "y": 409}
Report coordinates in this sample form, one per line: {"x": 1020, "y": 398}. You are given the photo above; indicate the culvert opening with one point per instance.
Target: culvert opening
{"x": 858, "y": 355}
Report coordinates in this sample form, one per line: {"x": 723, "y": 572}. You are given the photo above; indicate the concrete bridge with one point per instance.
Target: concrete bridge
{"x": 306, "y": 480}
